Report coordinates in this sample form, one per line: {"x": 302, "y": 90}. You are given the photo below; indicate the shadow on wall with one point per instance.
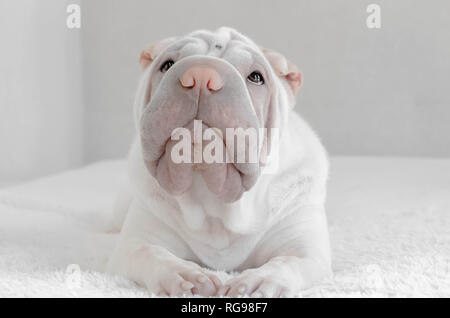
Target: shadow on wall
{"x": 40, "y": 90}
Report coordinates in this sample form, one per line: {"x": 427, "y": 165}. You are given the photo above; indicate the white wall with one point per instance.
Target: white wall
{"x": 66, "y": 95}
{"x": 367, "y": 92}
{"x": 40, "y": 90}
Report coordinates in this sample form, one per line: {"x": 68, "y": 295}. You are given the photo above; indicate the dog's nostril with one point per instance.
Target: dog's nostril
{"x": 187, "y": 81}
{"x": 214, "y": 85}
{"x": 205, "y": 77}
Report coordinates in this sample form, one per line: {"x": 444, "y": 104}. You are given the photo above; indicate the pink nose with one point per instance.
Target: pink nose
{"x": 205, "y": 77}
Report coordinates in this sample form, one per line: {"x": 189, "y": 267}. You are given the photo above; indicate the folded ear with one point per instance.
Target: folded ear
{"x": 147, "y": 56}
{"x": 153, "y": 50}
{"x": 285, "y": 69}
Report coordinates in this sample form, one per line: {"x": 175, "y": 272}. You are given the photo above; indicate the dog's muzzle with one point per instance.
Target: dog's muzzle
{"x": 212, "y": 91}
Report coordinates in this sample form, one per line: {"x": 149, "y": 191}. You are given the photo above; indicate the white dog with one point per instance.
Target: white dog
{"x": 184, "y": 219}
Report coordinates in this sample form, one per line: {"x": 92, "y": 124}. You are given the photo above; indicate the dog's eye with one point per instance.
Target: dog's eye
{"x": 167, "y": 64}
{"x": 256, "y": 78}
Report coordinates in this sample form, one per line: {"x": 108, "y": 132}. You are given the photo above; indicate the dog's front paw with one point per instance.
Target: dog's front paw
{"x": 258, "y": 283}
{"x": 183, "y": 278}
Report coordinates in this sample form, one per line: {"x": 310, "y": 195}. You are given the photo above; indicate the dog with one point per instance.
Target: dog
{"x": 180, "y": 221}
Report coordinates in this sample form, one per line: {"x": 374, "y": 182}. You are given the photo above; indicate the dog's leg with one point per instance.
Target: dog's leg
{"x": 151, "y": 254}
{"x": 290, "y": 257}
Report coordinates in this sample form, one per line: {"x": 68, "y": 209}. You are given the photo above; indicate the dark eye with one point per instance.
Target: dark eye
{"x": 167, "y": 64}
{"x": 256, "y": 78}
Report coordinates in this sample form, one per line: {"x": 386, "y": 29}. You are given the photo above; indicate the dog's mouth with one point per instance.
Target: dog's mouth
{"x": 227, "y": 169}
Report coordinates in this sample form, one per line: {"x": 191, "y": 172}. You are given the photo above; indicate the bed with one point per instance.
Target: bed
{"x": 389, "y": 222}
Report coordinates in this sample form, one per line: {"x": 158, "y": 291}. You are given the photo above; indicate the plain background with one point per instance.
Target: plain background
{"x": 66, "y": 95}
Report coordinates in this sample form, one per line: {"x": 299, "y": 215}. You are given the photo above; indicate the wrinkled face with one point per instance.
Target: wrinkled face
{"x": 228, "y": 83}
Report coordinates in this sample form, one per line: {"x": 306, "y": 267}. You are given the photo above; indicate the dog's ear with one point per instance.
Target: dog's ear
{"x": 153, "y": 50}
{"x": 285, "y": 69}
{"x": 147, "y": 56}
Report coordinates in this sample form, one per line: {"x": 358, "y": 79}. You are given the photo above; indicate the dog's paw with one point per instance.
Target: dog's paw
{"x": 257, "y": 283}
{"x": 183, "y": 278}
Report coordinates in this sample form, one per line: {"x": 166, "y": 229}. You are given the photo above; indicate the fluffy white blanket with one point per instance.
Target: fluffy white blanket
{"x": 389, "y": 223}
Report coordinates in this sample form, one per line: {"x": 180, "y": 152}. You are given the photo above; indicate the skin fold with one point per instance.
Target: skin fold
{"x": 181, "y": 221}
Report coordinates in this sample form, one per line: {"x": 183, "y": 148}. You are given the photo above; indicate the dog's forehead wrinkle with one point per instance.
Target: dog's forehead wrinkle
{"x": 213, "y": 39}
{"x": 193, "y": 47}
{"x": 223, "y": 39}
{"x": 238, "y": 56}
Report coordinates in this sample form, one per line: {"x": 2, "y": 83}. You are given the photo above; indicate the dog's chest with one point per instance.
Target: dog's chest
{"x": 206, "y": 216}
{"x": 214, "y": 231}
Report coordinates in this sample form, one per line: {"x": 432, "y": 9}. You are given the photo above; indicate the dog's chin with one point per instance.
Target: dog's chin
{"x": 225, "y": 179}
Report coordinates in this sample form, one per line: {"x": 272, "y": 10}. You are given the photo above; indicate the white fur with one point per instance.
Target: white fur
{"x": 275, "y": 235}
